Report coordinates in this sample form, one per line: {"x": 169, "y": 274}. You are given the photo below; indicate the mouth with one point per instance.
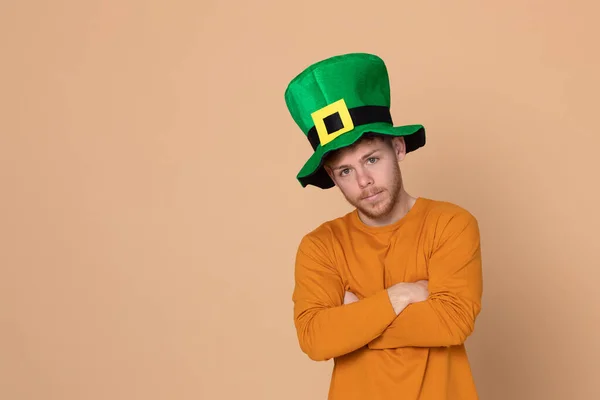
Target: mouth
{"x": 373, "y": 196}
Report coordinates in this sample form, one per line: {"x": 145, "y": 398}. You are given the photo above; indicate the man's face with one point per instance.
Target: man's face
{"x": 368, "y": 175}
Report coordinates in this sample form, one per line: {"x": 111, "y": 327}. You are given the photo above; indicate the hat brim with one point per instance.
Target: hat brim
{"x": 313, "y": 173}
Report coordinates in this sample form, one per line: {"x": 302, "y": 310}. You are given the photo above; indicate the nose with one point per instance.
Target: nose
{"x": 363, "y": 178}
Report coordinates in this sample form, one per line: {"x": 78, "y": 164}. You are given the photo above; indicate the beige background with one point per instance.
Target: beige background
{"x": 147, "y": 157}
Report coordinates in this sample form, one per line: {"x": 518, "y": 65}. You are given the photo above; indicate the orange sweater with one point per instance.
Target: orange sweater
{"x": 418, "y": 354}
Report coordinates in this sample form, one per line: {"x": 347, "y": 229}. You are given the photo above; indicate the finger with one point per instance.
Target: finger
{"x": 350, "y": 297}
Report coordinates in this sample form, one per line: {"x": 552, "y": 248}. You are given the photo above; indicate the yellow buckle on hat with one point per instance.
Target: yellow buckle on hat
{"x": 318, "y": 117}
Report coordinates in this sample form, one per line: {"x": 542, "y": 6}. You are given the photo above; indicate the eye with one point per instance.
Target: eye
{"x": 345, "y": 171}
{"x": 372, "y": 160}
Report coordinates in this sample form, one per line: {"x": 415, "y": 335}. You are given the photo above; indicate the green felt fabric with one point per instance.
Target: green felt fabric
{"x": 359, "y": 79}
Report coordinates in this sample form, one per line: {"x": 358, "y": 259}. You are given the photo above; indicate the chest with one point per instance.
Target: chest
{"x": 368, "y": 264}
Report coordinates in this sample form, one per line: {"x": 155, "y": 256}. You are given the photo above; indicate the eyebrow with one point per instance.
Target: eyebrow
{"x": 368, "y": 155}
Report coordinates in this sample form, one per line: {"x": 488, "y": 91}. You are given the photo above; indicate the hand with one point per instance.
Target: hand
{"x": 404, "y": 293}
{"x": 350, "y": 297}
{"x": 422, "y": 291}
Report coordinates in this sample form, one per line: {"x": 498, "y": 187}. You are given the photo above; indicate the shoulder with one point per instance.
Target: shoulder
{"x": 324, "y": 238}
{"x": 324, "y": 234}
{"x": 446, "y": 212}
{"x": 445, "y": 219}
{"x": 316, "y": 250}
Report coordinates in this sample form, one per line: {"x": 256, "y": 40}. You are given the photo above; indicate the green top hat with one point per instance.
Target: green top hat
{"x": 336, "y": 101}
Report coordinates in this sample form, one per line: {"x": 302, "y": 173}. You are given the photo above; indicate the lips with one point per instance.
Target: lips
{"x": 371, "y": 196}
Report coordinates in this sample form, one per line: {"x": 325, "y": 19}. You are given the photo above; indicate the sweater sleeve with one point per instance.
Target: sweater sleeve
{"x": 326, "y": 328}
{"x": 448, "y": 316}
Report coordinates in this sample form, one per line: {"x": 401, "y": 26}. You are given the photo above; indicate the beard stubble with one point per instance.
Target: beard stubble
{"x": 384, "y": 206}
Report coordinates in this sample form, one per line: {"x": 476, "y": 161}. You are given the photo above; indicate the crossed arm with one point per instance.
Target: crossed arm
{"x": 328, "y": 327}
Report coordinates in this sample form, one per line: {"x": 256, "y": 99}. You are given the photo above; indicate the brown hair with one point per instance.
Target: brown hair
{"x": 366, "y": 137}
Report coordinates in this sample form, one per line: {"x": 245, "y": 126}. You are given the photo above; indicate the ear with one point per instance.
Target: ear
{"x": 327, "y": 169}
{"x": 399, "y": 147}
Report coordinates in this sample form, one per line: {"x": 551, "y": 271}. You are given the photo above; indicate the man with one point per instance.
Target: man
{"x": 391, "y": 290}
